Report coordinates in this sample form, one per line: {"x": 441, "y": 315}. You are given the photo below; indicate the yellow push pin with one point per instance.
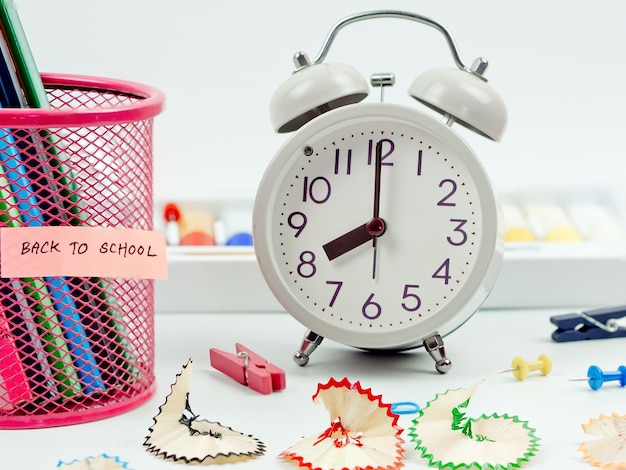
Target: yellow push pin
{"x": 520, "y": 367}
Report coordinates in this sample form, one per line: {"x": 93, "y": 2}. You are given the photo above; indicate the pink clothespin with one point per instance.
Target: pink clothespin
{"x": 248, "y": 368}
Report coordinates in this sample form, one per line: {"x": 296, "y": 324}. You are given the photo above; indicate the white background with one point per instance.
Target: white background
{"x": 559, "y": 66}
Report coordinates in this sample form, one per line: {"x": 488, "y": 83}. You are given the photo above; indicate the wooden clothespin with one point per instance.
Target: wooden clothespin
{"x": 248, "y": 368}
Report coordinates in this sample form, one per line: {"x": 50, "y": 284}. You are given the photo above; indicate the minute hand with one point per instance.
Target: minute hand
{"x": 376, "y": 224}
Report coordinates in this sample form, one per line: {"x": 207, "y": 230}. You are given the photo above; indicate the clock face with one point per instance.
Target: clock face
{"x": 377, "y": 269}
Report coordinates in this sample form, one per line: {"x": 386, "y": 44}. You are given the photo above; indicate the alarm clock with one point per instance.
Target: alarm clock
{"x": 375, "y": 225}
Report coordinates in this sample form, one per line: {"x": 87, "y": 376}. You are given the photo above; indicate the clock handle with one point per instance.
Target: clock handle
{"x": 435, "y": 347}
{"x": 310, "y": 342}
{"x": 454, "y": 49}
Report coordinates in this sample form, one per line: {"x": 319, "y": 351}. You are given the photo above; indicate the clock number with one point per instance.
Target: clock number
{"x": 371, "y": 310}
{"x": 307, "y": 268}
{"x": 337, "y": 285}
{"x": 338, "y": 160}
{"x": 415, "y": 299}
{"x": 444, "y": 200}
{"x": 460, "y": 223}
{"x": 318, "y": 190}
{"x": 443, "y": 272}
{"x": 371, "y": 152}
{"x": 297, "y": 221}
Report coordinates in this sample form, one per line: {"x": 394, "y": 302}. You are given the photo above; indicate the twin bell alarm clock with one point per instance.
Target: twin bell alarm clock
{"x": 375, "y": 225}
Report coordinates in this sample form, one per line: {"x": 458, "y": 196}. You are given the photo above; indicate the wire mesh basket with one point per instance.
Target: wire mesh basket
{"x": 77, "y": 349}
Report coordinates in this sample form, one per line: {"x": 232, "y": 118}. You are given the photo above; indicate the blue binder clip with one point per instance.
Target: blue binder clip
{"x": 593, "y": 324}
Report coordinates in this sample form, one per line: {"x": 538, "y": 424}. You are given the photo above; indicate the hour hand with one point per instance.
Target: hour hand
{"x": 348, "y": 241}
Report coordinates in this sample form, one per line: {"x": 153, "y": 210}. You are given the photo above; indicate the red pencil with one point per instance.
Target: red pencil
{"x": 13, "y": 381}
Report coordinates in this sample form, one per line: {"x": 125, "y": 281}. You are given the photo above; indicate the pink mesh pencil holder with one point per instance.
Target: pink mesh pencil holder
{"x": 77, "y": 349}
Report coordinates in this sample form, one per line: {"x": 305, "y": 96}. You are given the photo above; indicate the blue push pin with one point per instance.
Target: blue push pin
{"x": 596, "y": 377}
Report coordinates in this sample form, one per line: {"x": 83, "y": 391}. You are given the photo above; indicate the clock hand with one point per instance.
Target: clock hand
{"x": 354, "y": 238}
{"x": 376, "y": 216}
{"x": 378, "y": 165}
{"x": 346, "y": 242}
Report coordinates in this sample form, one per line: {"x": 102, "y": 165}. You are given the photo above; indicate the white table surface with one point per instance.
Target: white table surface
{"x": 553, "y": 405}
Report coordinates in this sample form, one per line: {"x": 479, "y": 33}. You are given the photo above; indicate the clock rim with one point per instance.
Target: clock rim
{"x": 413, "y": 335}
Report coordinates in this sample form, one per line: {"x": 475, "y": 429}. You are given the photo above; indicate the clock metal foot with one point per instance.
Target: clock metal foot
{"x": 435, "y": 347}
{"x": 310, "y": 342}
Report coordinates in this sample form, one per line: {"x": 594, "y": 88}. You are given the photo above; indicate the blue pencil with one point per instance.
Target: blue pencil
{"x": 58, "y": 287}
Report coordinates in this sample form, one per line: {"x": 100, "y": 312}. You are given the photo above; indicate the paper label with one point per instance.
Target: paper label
{"x": 82, "y": 251}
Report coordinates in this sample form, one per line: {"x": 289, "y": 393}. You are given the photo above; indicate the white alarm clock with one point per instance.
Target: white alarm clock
{"x": 375, "y": 225}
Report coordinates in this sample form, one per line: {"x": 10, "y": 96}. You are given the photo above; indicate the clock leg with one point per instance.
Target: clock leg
{"x": 310, "y": 342}
{"x": 435, "y": 347}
